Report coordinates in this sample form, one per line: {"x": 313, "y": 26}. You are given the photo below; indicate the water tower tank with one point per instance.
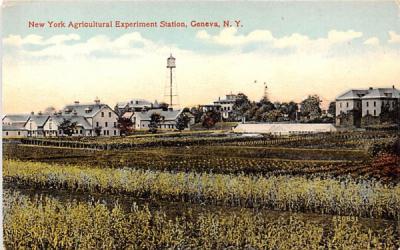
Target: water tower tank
{"x": 171, "y": 62}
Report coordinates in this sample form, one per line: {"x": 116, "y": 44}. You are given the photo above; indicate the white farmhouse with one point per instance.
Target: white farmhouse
{"x": 101, "y": 118}
{"x": 14, "y": 131}
{"x": 82, "y": 128}
{"x": 35, "y": 125}
{"x": 14, "y": 125}
{"x": 141, "y": 120}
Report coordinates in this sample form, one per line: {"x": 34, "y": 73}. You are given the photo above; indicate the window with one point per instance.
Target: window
{"x": 104, "y": 132}
{"x": 367, "y": 112}
{"x": 374, "y": 112}
{"x": 19, "y": 133}
{"x": 115, "y": 132}
{"x": 106, "y": 124}
{"x": 97, "y": 124}
{"x": 102, "y": 114}
{"x": 340, "y": 104}
{"x": 347, "y": 104}
{"x": 6, "y": 133}
{"x": 109, "y": 114}
{"x": 108, "y": 132}
{"x": 374, "y": 104}
{"x": 80, "y": 131}
{"x": 50, "y": 125}
{"x": 115, "y": 124}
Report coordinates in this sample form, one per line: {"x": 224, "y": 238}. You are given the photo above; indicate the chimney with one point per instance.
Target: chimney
{"x": 75, "y": 113}
{"x": 76, "y": 102}
{"x": 370, "y": 88}
{"x": 32, "y": 113}
{"x": 97, "y": 101}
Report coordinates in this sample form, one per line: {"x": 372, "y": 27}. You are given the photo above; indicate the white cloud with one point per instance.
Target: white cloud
{"x": 230, "y": 37}
{"x": 18, "y": 41}
{"x": 394, "y": 37}
{"x": 71, "y": 71}
{"x": 373, "y": 41}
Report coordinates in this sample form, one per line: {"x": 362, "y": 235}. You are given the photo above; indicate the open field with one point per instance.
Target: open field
{"x": 95, "y": 225}
{"x": 326, "y": 176}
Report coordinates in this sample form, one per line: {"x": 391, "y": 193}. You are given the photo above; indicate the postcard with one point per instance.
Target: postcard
{"x": 201, "y": 124}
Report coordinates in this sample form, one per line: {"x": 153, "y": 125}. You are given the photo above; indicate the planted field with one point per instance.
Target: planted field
{"x": 217, "y": 159}
{"x": 73, "y": 225}
{"x": 368, "y": 198}
{"x": 245, "y": 192}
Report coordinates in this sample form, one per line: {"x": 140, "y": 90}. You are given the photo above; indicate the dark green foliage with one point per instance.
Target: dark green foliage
{"x": 67, "y": 127}
{"x": 182, "y": 122}
{"x": 155, "y": 120}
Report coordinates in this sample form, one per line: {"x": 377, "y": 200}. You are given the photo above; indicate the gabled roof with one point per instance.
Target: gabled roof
{"x": 128, "y": 115}
{"x": 382, "y": 93}
{"x": 17, "y": 117}
{"x": 86, "y": 110}
{"x": 80, "y": 120}
{"x": 169, "y": 115}
{"x": 14, "y": 127}
{"x": 352, "y": 94}
{"x": 40, "y": 120}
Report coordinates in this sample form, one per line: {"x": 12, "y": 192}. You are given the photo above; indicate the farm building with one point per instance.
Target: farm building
{"x": 14, "y": 131}
{"x": 51, "y": 126}
{"x": 284, "y": 128}
{"x": 141, "y": 120}
{"x": 134, "y": 105}
{"x": 101, "y": 118}
{"x": 14, "y": 125}
{"x": 364, "y": 107}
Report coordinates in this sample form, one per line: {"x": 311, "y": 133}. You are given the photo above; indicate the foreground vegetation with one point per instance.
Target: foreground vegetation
{"x": 343, "y": 196}
{"x": 46, "y": 223}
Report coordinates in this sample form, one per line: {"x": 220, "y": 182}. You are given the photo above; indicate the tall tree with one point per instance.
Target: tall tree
{"x": 125, "y": 125}
{"x": 241, "y": 106}
{"x": 332, "y": 108}
{"x": 182, "y": 122}
{"x": 310, "y": 107}
{"x": 155, "y": 120}
{"x": 210, "y": 118}
{"x": 197, "y": 113}
{"x": 67, "y": 127}
{"x": 292, "y": 110}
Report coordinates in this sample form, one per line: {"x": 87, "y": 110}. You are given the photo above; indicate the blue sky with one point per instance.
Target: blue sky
{"x": 299, "y": 47}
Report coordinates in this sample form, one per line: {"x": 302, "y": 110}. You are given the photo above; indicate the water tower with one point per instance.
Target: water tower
{"x": 170, "y": 65}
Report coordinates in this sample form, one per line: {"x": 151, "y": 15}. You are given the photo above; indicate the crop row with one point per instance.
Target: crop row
{"x": 367, "y": 198}
{"x": 49, "y": 224}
